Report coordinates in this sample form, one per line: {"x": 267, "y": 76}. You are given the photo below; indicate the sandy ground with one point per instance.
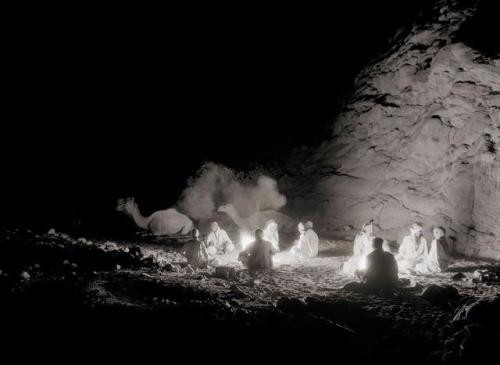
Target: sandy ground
{"x": 322, "y": 275}
{"x": 123, "y": 279}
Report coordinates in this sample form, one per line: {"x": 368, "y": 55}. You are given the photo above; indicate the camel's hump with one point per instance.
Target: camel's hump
{"x": 169, "y": 221}
{"x": 170, "y": 213}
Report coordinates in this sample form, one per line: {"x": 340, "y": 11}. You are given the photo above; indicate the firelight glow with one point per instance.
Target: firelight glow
{"x": 245, "y": 239}
{"x": 362, "y": 263}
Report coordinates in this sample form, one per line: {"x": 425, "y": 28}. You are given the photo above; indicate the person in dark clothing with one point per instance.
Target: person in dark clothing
{"x": 259, "y": 254}
{"x": 196, "y": 252}
{"x": 381, "y": 268}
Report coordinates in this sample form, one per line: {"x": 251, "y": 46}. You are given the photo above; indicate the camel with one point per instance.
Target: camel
{"x": 168, "y": 222}
{"x": 259, "y": 219}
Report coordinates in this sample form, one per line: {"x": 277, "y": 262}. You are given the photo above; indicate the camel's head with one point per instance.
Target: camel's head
{"x": 226, "y": 208}
{"x": 126, "y": 206}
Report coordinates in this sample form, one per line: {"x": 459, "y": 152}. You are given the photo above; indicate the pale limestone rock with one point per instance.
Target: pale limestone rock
{"x": 418, "y": 140}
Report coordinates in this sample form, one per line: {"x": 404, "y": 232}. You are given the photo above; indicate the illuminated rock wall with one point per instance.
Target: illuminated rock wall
{"x": 418, "y": 140}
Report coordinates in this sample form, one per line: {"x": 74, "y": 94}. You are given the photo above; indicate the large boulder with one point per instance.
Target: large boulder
{"x": 485, "y": 311}
{"x": 418, "y": 140}
{"x": 446, "y": 296}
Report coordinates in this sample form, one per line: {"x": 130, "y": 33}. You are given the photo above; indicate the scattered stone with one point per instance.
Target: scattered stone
{"x": 292, "y": 305}
{"x": 82, "y": 240}
{"x": 109, "y": 246}
{"x": 441, "y": 295}
{"x": 458, "y": 277}
{"x": 469, "y": 284}
{"x": 25, "y": 275}
{"x": 483, "y": 311}
{"x": 237, "y": 293}
{"x": 354, "y": 287}
{"x": 477, "y": 276}
{"x": 66, "y": 263}
{"x": 37, "y": 266}
{"x": 118, "y": 267}
{"x": 479, "y": 340}
{"x": 450, "y": 357}
{"x": 52, "y": 232}
{"x": 408, "y": 283}
{"x": 135, "y": 251}
{"x": 176, "y": 268}
{"x": 225, "y": 272}
{"x": 74, "y": 265}
{"x": 489, "y": 276}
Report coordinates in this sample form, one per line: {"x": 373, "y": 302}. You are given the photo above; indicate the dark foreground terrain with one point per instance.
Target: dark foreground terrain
{"x": 138, "y": 299}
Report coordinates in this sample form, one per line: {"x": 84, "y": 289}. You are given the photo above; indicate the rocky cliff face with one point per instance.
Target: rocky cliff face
{"x": 418, "y": 140}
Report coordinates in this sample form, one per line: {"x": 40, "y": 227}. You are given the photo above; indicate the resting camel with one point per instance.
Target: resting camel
{"x": 166, "y": 222}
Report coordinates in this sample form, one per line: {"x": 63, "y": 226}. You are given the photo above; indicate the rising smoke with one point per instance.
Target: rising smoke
{"x": 215, "y": 185}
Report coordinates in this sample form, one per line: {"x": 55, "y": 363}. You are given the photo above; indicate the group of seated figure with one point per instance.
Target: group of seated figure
{"x": 415, "y": 254}
{"x": 372, "y": 260}
{"x": 258, "y": 255}
{"x": 200, "y": 254}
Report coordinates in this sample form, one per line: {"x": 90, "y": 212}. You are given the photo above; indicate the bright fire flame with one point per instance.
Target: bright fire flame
{"x": 362, "y": 263}
{"x": 245, "y": 239}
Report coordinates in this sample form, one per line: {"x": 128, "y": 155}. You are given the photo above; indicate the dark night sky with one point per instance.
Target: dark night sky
{"x": 109, "y": 102}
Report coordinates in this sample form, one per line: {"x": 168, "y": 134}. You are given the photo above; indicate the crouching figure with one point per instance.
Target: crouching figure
{"x": 258, "y": 256}
{"x": 196, "y": 252}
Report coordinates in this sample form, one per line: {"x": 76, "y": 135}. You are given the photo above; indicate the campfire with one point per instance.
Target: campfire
{"x": 245, "y": 239}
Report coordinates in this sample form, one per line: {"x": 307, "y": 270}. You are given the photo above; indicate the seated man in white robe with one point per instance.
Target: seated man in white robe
{"x": 311, "y": 239}
{"x": 299, "y": 248}
{"x": 271, "y": 234}
{"x": 413, "y": 249}
{"x": 307, "y": 244}
{"x": 362, "y": 247}
{"x": 438, "y": 254}
{"x": 218, "y": 242}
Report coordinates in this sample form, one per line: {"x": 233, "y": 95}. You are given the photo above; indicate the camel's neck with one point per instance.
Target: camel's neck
{"x": 237, "y": 219}
{"x": 139, "y": 219}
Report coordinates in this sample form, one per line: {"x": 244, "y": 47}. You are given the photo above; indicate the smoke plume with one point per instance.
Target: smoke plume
{"x": 215, "y": 185}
